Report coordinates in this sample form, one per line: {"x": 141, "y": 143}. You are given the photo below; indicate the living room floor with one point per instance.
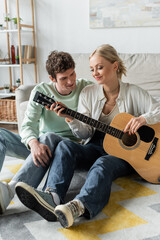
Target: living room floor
{"x": 133, "y": 212}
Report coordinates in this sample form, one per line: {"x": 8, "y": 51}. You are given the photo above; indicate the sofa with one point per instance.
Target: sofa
{"x": 143, "y": 69}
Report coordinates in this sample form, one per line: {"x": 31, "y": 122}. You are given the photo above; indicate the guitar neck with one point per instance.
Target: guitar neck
{"x": 100, "y": 126}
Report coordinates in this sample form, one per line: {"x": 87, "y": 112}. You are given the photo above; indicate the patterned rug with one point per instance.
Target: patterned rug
{"x": 133, "y": 213}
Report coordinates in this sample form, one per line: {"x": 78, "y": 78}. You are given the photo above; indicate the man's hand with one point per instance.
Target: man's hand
{"x": 41, "y": 153}
{"x": 134, "y": 124}
{"x": 58, "y": 107}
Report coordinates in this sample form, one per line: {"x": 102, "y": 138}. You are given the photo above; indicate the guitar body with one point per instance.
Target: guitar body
{"x": 135, "y": 148}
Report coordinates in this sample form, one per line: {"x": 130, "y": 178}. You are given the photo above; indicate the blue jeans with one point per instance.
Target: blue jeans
{"x": 29, "y": 172}
{"x": 10, "y": 145}
{"x": 103, "y": 169}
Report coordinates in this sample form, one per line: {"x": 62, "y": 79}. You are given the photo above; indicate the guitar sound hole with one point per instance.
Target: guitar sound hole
{"x": 129, "y": 140}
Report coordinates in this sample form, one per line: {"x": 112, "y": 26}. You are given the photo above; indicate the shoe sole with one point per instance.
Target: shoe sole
{"x": 35, "y": 202}
{"x": 62, "y": 219}
{"x": 64, "y": 216}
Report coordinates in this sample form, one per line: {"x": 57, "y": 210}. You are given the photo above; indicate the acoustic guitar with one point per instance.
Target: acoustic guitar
{"x": 141, "y": 150}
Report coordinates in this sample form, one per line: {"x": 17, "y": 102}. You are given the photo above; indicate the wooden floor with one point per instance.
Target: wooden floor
{"x": 10, "y": 127}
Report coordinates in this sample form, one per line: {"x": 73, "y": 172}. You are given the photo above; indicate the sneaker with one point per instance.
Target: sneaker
{"x": 40, "y": 202}
{"x": 67, "y": 213}
{"x": 6, "y": 196}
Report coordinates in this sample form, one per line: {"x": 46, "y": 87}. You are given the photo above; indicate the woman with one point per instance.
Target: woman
{"x": 102, "y": 101}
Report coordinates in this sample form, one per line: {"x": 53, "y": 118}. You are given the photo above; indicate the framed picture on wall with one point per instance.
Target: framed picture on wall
{"x": 124, "y": 13}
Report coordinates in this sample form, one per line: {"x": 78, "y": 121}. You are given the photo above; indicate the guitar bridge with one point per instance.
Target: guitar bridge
{"x": 151, "y": 149}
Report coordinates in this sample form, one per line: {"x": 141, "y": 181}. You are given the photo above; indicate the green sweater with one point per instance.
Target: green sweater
{"x": 38, "y": 120}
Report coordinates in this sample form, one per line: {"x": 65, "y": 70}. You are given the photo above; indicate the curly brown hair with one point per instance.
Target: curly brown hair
{"x": 59, "y": 62}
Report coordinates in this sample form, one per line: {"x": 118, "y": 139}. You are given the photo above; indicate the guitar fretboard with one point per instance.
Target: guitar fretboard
{"x": 100, "y": 126}
{"x": 94, "y": 123}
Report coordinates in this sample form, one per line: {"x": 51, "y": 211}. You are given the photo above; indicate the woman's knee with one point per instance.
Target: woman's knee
{"x": 112, "y": 166}
{"x": 104, "y": 165}
{"x": 68, "y": 148}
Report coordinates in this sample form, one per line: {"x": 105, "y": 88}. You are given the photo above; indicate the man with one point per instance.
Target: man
{"x": 41, "y": 130}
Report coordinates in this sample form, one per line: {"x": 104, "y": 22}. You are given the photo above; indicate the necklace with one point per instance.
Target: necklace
{"x": 112, "y": 102}
{"x": 115, "y": 89}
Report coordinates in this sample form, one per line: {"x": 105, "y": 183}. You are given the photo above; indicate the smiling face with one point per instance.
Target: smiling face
{"x": 65, "y": 82}
{"x": 102, "y": 70}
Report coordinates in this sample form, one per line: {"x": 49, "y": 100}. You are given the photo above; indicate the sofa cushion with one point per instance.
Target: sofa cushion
{"x": 82, "y": 66}
{"x": 143, "y": 69}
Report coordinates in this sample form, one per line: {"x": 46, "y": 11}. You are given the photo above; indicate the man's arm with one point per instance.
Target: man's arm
{"x": 30, "y": 133}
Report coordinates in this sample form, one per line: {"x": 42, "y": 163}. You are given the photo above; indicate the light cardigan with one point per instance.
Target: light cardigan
{"x": 131, "y": 99}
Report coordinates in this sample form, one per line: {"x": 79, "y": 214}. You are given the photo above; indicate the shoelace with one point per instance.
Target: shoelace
{"x": 50, "y": 193}
{"x": 75, "y": 208}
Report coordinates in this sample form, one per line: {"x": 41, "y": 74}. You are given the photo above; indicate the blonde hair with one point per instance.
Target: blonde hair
{"x": 109, "y": 53}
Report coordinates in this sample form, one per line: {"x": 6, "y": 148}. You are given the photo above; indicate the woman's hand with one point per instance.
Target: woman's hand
{"x": 134, "y": 124}
{"x": 58, "y": 107}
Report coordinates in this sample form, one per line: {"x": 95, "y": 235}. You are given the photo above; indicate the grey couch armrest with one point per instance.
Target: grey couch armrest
{"x": 22, "y": 96}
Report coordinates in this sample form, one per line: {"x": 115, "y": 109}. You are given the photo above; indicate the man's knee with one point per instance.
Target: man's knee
{"x": 47, "y": 135}
{"x": 50, "y": 139}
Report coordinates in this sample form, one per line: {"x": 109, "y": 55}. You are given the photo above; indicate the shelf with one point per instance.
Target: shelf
{"x": 18, "y": 65}
{"x": 3, "y": 122}
{"x": 6, "y": 94}
{"x": 27, "y": 55}
{"x": 9, "y": 65}
{"x": 15, "y": 30}
{"x": 8, "y": 30}
{"x": 19, "y": 30}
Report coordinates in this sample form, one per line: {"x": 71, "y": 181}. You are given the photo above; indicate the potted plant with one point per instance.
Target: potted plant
{"x": 6, "y": 88}
{"x": 1, "y": 27}
{"x": 7, "y": 20}
{"x": 15, "y": 21}
{"x": 18, "y": 82}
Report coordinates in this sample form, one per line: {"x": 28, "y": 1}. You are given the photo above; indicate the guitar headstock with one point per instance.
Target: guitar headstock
{"x": 43, "y": 99}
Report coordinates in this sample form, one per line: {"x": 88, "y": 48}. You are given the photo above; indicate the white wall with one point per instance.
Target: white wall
{"x": 64, "y": 25}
